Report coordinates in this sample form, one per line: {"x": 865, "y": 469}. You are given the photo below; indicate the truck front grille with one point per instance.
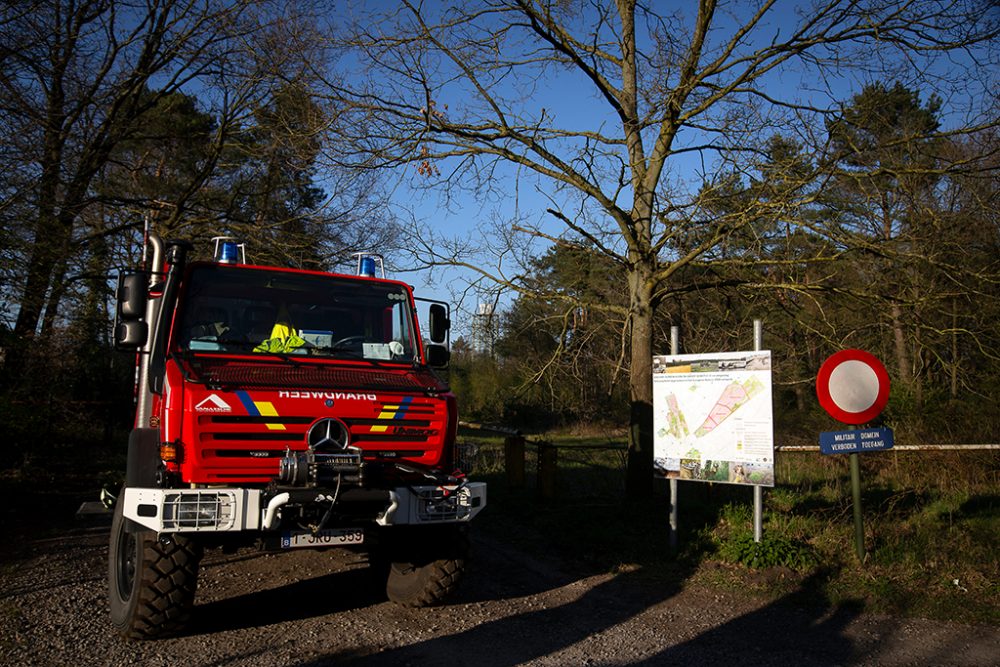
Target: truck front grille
{"x": 248, "y": 447}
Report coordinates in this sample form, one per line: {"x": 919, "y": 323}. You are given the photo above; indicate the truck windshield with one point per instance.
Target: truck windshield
{"x": 245, "y": 310}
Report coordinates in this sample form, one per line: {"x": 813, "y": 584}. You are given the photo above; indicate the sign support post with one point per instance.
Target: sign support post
{"x": 758, "y": 490}
{"x": 859, "y": 528}
{"x": 675, "y": 349}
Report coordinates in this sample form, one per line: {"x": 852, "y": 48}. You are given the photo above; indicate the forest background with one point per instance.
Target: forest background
{"x": 830, "y": 168}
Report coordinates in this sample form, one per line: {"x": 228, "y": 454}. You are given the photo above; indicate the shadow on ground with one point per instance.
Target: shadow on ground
{"x": 297, "y": 601}
{"x": 604, "y": 618}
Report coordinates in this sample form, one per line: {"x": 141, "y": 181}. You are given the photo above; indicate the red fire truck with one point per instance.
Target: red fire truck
{"x": 285, "y": 409}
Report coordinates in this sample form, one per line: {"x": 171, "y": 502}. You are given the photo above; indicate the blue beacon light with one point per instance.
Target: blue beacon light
{"x": 369, "y": 264}
{"x": 227, "y": 250}
{"x": 227, "y": 254}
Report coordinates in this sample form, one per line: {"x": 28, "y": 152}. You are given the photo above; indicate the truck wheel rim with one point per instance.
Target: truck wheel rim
{"x": 126, "y": 565}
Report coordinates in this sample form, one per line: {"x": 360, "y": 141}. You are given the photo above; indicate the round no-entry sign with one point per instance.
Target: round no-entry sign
{"x": 853, "y": 386}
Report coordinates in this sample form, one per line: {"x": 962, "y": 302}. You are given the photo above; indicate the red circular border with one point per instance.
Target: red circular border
{"x": 823, "y": 386}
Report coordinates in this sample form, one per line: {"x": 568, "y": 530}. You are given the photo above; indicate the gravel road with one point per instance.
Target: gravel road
{"x": 312, "y": 608}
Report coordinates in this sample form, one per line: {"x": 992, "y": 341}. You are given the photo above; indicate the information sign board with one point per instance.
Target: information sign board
{"x": 712, "y": 417}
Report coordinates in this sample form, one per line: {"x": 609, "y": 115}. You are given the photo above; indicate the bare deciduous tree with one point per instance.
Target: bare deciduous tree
{"x": 78, "y": 79}
{"x": 618, "y": 115}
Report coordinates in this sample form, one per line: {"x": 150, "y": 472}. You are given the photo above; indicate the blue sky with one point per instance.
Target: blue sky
{"x": 569, "y": 99}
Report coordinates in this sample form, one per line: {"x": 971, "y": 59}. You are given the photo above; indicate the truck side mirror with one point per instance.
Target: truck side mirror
{"x": 131, "y": 334}
{"x": 132, "y": 295}
{"x": 438, "y": 356}
{"x": 439, "y": 323}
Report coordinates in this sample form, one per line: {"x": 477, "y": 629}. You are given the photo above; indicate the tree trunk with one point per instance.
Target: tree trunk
{"x": 639, "y": 476}
{"x": 895, "y": 312}
{"x": 899, "y": 343}
{"x": 954, "y": 353}
{"x": 52, "y": 242}
{"x": 57, "y": 290}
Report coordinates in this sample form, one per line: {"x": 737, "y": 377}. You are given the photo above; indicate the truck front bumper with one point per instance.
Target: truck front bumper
{"x": 238, "y": 509}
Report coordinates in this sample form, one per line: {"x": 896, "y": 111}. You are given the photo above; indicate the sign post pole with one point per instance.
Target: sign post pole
{"x": 859, "y": 528}
{"x": 758, "y": 490}
{"x": 675, "y": 349}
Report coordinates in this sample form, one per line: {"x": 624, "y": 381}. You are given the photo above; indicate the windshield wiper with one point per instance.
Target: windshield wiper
{"x": 336, "y": 352}
{"x": 241, "y": 347}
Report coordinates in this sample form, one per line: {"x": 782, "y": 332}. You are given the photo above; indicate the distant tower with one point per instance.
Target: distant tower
{"x": 484, "y": 329}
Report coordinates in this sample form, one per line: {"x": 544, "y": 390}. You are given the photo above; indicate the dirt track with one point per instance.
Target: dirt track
{"x": 316, "y": 608}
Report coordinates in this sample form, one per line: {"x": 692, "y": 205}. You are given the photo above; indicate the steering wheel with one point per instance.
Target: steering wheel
{"x": 349, "y": 340}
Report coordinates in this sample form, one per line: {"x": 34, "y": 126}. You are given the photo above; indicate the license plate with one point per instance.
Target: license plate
{"x": 325, "y": 538}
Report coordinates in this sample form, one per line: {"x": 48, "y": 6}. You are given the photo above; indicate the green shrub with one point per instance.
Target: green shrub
{"x": 771, "y": 551}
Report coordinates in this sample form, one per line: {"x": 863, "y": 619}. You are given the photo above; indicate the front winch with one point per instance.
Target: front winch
{"x": 312, "y": 468}
{"x": 328, "y": 459}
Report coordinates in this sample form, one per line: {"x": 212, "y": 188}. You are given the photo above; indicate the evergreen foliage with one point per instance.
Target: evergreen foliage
{"x": 889, "y": 249}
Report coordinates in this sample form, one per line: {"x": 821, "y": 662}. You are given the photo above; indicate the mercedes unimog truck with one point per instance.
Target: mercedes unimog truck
{"x": 282, "y": 409}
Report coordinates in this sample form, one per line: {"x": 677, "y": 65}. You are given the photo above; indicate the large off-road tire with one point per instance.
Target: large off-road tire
{"x": 425, "y": 565}
{"x": 151, "y": 583}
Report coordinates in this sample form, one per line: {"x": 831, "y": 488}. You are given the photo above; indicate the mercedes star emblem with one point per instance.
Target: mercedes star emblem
{"x": 327, "y": 434}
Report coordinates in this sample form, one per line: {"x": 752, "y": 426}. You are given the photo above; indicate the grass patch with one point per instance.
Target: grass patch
{"x": 931, "y": 536}
{"x": 932, "y": 521}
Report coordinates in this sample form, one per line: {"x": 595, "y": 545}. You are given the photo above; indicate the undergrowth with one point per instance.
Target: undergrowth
{"x": 771, "y": 551}
{"x": 931, "y": 519}
{"x": 931, "y": 526}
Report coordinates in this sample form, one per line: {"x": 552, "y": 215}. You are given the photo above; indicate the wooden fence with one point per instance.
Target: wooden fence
{"x": 516, "y": 444}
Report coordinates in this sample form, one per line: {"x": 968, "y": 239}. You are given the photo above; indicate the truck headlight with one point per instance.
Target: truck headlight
{"x": 198, "y": 509}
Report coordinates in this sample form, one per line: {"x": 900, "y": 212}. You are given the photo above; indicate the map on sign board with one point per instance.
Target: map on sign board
{"x": 712, "y": 418}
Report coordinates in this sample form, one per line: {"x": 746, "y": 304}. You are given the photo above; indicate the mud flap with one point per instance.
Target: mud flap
{"x": 143, "y": 458}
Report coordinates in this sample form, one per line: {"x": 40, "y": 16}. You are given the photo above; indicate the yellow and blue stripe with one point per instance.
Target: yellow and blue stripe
{"x": 260, "y": 409}
{"x": 392, "y": 411}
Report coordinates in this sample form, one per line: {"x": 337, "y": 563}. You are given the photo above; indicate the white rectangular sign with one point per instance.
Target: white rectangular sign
{"x": 712, "y": 417}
